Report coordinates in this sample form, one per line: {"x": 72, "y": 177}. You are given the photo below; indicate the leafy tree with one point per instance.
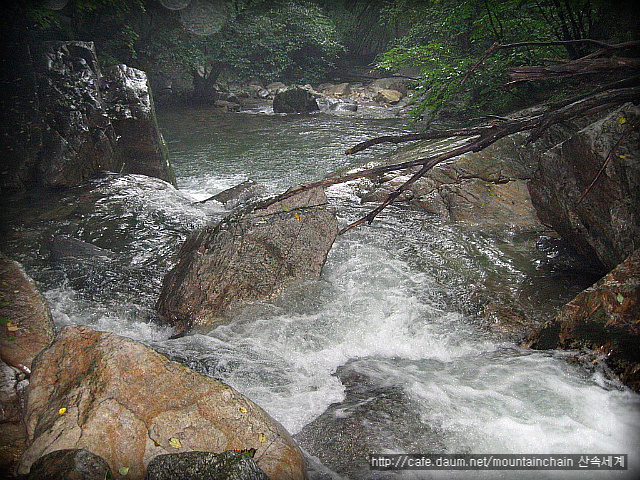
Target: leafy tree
{"x": 446, "y": 38}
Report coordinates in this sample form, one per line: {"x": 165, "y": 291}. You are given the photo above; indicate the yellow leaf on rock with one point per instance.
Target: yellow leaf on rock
{"x": 175, "y": 443}
{"x": 243, "y": 410}
{"x": 62, "y": 411}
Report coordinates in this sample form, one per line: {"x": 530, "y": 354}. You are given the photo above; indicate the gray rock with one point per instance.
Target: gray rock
{"x": 65, "y": 247}
{"x": 239, "y": 195}
{"x": 140, "y": 147}
{"x": 61, "y": 132}
{"x": 295, "y": 100}
{"x": 70, "y": 464}
{"x": 229, "y": 465}
{"x": 251, "y": 256}
{"x": 606, "y": 224}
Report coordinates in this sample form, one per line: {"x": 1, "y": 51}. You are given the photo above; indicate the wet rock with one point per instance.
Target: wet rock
{"x": 229, "y": 106}
{"x": 486, "y": 188}
{"x": 389, "y": 96}
{"x": 335, "y": 105}
{"x": 606, "y": 224}
{"x": 140, "y": 147}
{"x": 78, "y": 140}
{"x": 375, "y": 416}
{"x": 61, "y": 132}
{"x": 506, "y": 321}
{"x": 229, "y": 465}
{"x": 27, "y": 326}
{"x": 70, "y": 464}
{"x": 65, "y": 247}
{"x": 13, "y": 435}
{"x": 604, "y": 318}
{"x": 13, "y": 383}
{"x": 129, "y": 404}
{"x": 239, "y": 195}
{"x": 249, "y": 257}
{"x": 295, "y": 100}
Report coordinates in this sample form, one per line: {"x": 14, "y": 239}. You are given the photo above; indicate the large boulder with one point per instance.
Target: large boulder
{"x": 606, "y": 224}
{"x": 26, "y": 325}
{"x": 295, "y": 100}
{"x": 248, "y": 257}
{"x": 603, "y": 318}
{"x": 121, "y": 400}
{"x": 140, "y": 146}
{"x": 57, "y": 129}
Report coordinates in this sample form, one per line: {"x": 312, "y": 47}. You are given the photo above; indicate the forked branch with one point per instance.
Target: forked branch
{"x": 479, "y": 138}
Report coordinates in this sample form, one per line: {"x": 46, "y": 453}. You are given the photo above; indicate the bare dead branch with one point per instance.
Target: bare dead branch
{"x": 480, "y": 138}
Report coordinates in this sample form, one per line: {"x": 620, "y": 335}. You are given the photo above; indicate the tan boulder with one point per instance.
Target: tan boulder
{"x": 340, "y": 90}
{"x": 26, "y": 326}
{"x": 249, "y": 257}
{"x": 128, "y": 404}
{"x": 389, "y": 96}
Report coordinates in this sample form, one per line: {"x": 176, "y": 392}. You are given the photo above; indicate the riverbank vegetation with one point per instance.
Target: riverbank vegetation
{"x": 201, "y": 45}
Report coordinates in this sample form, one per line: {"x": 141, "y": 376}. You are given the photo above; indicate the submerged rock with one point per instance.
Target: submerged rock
{"x": 70, "y": 464}
{"x": 246, "y": 258}
{"x": 27, "y": 326}
{"x": 374, "y": 417}
{"x": 65, "y": 247}
{"x": 603, "y": 318}
{"x": 295, "y": 100}
{"x": 229, "y": 465}
{"x": 128, "y": 404}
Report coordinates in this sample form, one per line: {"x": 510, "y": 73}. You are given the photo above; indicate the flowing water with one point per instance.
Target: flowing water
{"x": 378, "y": 356}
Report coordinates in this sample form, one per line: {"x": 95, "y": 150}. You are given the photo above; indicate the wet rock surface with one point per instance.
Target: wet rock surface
{"x": 295, "y": 100}
{"x": 606, "y": 224}
{"x": 70, "y": 464}
{"x": 140, "y": 147}
{"x": 603, "y": 318}
{"x": 229, "y": 465}
{"x": 372, "y": 416}
{"x": 250, "y": 257}
{"x": 62, "y": 132}
{"x": 27, "y": 326}
{"x": 126, "y": 403}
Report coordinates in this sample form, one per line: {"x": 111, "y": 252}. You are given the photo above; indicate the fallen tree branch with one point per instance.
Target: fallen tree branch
{"x": 480, "y": 138}
{"x": 577, "y": 64}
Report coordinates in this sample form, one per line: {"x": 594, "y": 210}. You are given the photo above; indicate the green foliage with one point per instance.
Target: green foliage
{"x": 445, "y": 38}
{"x": 295, "y": 41}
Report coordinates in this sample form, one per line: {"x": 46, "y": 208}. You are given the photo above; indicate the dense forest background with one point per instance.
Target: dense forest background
{"x": 197, "y": 46}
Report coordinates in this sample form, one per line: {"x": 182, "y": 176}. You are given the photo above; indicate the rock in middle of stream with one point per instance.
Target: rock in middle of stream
{"x": 248, "y": 257}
